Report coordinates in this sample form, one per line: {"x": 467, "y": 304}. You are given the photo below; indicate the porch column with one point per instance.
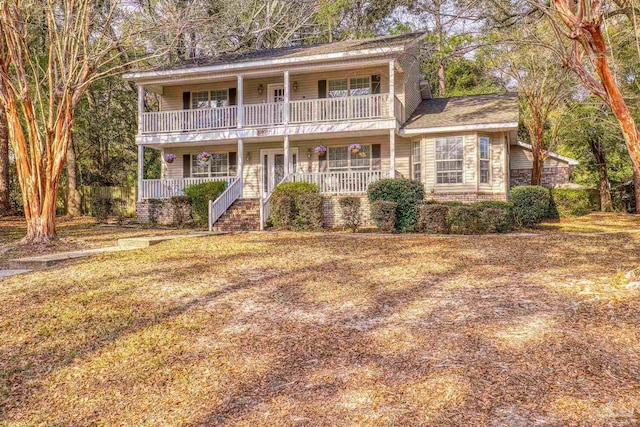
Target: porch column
{"x": 392, "y": 88}
{"x": 392, "y": 153}
{"x": 240, "y": 158}
{"x": 140, "y": 107}
{"x": 240, "y": 107}
{"x": 285, "y": 116}
{"x": 140, "y": 170}
{"x": 286, "y": 155}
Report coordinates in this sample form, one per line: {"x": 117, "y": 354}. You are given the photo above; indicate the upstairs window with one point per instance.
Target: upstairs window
{"x": 449, "y": 160}
{"x": 337, "y": 88}
{"x": 209, "y": 99}
{"x": 356, "y": 86}
{"x": 485, "y": 175}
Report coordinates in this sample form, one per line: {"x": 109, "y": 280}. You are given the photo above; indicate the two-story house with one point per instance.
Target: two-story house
{"x": 292, "y": 114}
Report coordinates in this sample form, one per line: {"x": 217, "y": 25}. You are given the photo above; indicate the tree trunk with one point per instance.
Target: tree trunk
{"x": 606, "y": 204}
{"x": 73, "y": 195}
{"x": 5, "y": 190}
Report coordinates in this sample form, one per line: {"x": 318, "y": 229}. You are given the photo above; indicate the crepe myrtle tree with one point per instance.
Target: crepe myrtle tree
{"x": 50, "y": 53}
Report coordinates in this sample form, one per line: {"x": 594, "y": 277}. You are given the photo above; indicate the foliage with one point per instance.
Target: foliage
{"x": 568, "y": 202}
{"x": 180, "y": 209}
{"x": 199, "y": 196}
{"x": 530, "y": 204}
{"x": 296, "y": 204}
{"x": 383, "y": 215}
{"x": 467, "y": 219}
{"x": 494, "y": 204}
{"x": 406, "y": 194}
{"x": 119, "y": 207}
{"x": 102, "y": 207}
{"x": 432, "y": 218}
{"x": 155, "y": 207}
{"x": 350, "y": 212}
{"x": 497, "y": 220}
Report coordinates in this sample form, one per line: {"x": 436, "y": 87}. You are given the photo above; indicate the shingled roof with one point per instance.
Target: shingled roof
{"x": 465, "y": 110}
{"x": 298, "y": 51}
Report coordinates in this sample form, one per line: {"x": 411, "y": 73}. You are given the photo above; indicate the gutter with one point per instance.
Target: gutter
{"x": 461, "y": 128}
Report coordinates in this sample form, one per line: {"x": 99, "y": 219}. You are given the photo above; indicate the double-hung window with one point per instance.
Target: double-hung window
{"x": 341, "y": 159}
{"x": 449, "y": 160}
{"x": 209, "y": 99}
{"x": 218, "y": 165}
{"x": 416, "y": 160}
{"x": 355, "y": 86}
{"x": 485, "y": 174}
{"x": 338, "y": 88}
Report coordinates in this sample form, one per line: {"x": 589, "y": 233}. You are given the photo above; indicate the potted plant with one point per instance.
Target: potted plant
{"x": 170, "y": 158}
{"x": 355, "y": 148}
{"x": 320, "y": 150}
{"x": 204, "y": 157}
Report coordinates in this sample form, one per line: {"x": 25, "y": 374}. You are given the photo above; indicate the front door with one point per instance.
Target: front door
{"x": 273, "y": 167}
{"x": 276, "y": 92}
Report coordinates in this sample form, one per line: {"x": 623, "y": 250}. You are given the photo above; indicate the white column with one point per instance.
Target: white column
{"x": 140, "y": 107}
{"x": 286, "y": 155}
{"x": 240, "y": 105}
{"x": 286, "y": 98}
{"x": 140, "y": 170}
{"x": 392, "y": 88}
{"x": 240, "y": 159}
{"x": 392, "y": 153}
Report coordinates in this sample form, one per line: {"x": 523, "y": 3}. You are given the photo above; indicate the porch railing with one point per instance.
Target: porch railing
{"x": 256, "y": 115}
{"x": 336, "y": 109}
{"x": 341, "y": 182}
{"x": 190, "y": 120}
{"x": 220, "y": 205}
{"x": 166, "y": 188}
{"x": 265, "y": 208}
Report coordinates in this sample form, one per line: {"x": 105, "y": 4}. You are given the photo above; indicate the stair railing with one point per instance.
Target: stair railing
{"x": 220, "y": 205}
{"x": 265, "y": 209}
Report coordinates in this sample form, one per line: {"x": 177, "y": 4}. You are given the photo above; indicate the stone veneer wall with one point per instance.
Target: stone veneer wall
{"x": 551, "y": 177}
{"x": 165, "y": 214}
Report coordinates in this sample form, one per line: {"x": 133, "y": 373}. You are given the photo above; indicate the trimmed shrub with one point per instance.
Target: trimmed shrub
{"x": 296, "y": 204}
{"x": 432, "y": 218}
{"x": 383, "y": 214}
{"x": 530, "y": 204}
{"x": 180, "y": 211}
{"x": 567, "y": 202}
{"x": 155, "y": 207}
{"x": 309, "y": 211}
{"x": 467, "y": 219}
{"x": 497, "y": 220}
{"x": 406, "y": 194}
{"x": 350, "y": 212}
{"x": 199, "y": 196}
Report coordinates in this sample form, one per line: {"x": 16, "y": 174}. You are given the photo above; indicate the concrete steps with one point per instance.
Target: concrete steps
{"x": 242, "y": 215}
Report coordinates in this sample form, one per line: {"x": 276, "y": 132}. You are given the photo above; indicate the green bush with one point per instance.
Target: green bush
{"x": 497, "y": 220}
{"x": 383, "y": 214}
{"x": 296, "y": 204}
{"x": 432, "y": 218}
{"x": 155, "y": 207}
{"x": 467, "y": 219}
{"x": 567, "y": 202}
{"x": 350, "y": 212}
{"x": 530, "y": 204}
{"x": 199, "y": 196}
{"x": 101, "y": 207}
{"x": 406, "y": 194}
{"x": 180, "y": 211}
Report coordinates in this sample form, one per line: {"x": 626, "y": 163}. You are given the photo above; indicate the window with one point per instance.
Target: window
{"x": 416, "y": 161}
{"x": 355, "y": 86}
{"x": 340, "y": 158}
{"x": 449, "y": 165}
{"x": 218, "y": 166}
{"x": 484, "y": 160}
{"x": 212, "y": 99}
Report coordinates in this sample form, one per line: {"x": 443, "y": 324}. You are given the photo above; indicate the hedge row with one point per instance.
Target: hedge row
{"x": 477, "y": 218}
{"x": 296, "y": 205}
{"x": 533, "y": 204}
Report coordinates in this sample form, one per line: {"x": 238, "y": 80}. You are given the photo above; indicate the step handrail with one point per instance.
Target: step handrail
{"x": 220, "y": 205}
{"x": 265, "y": 209}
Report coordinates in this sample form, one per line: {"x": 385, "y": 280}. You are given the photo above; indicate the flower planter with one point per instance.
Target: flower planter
{"x": 355, "y": 151}
{"x": 170, "y": 160}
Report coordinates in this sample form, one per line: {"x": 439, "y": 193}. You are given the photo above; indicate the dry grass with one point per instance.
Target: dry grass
{"x": 595, "y": 223}
{"x": 298, "y": 329}
{"x": 75, "y": 234}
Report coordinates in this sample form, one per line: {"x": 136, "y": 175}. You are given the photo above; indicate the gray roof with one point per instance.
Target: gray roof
{"x": 297, "y": 51}
{"x": 465, "y": 110}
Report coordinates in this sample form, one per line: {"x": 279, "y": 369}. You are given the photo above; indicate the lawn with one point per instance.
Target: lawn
{"x": 330, "y": 329}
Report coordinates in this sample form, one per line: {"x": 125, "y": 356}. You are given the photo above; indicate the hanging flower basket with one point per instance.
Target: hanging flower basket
{"x": 170, "y": 158}
{"x": 320, "y": 150}
{"x": 204, "y": 157}
{"x": 355, "y": 148}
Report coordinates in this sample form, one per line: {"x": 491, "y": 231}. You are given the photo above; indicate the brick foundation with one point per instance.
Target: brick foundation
{"x": 551, "y": 177}
{"x": 164, "y": 215}
{"x": 331, "y": 213}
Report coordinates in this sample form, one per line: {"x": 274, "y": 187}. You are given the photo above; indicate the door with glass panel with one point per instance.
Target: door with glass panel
{"x": 276, "y": 101}
{"x": 272, "y": 162}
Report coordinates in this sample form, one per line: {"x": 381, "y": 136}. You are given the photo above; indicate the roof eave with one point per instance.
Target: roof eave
{"x": 500, "y": 126}
{"x": 568, "y": 160}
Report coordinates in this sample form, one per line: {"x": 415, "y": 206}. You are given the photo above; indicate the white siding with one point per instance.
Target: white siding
{"x": 521, "y": 158}
{"x": 411, "y": 96}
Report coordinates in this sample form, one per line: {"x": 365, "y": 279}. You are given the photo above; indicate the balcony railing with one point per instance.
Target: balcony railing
{"x": 340, "y": 182}
{"x": 167, "y": 188}
{"x": 268, "y": 114}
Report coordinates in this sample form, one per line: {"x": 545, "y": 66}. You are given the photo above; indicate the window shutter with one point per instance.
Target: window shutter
{"x": 375, "y": 84}
{"x": 322, "y": 88}
{"x": 376, "y": 163}
{"x": 186, "y": 100}
{"x": 233, "y": 163}
{"x": 186, "y": 165}
{"x": 233, "y": 92}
